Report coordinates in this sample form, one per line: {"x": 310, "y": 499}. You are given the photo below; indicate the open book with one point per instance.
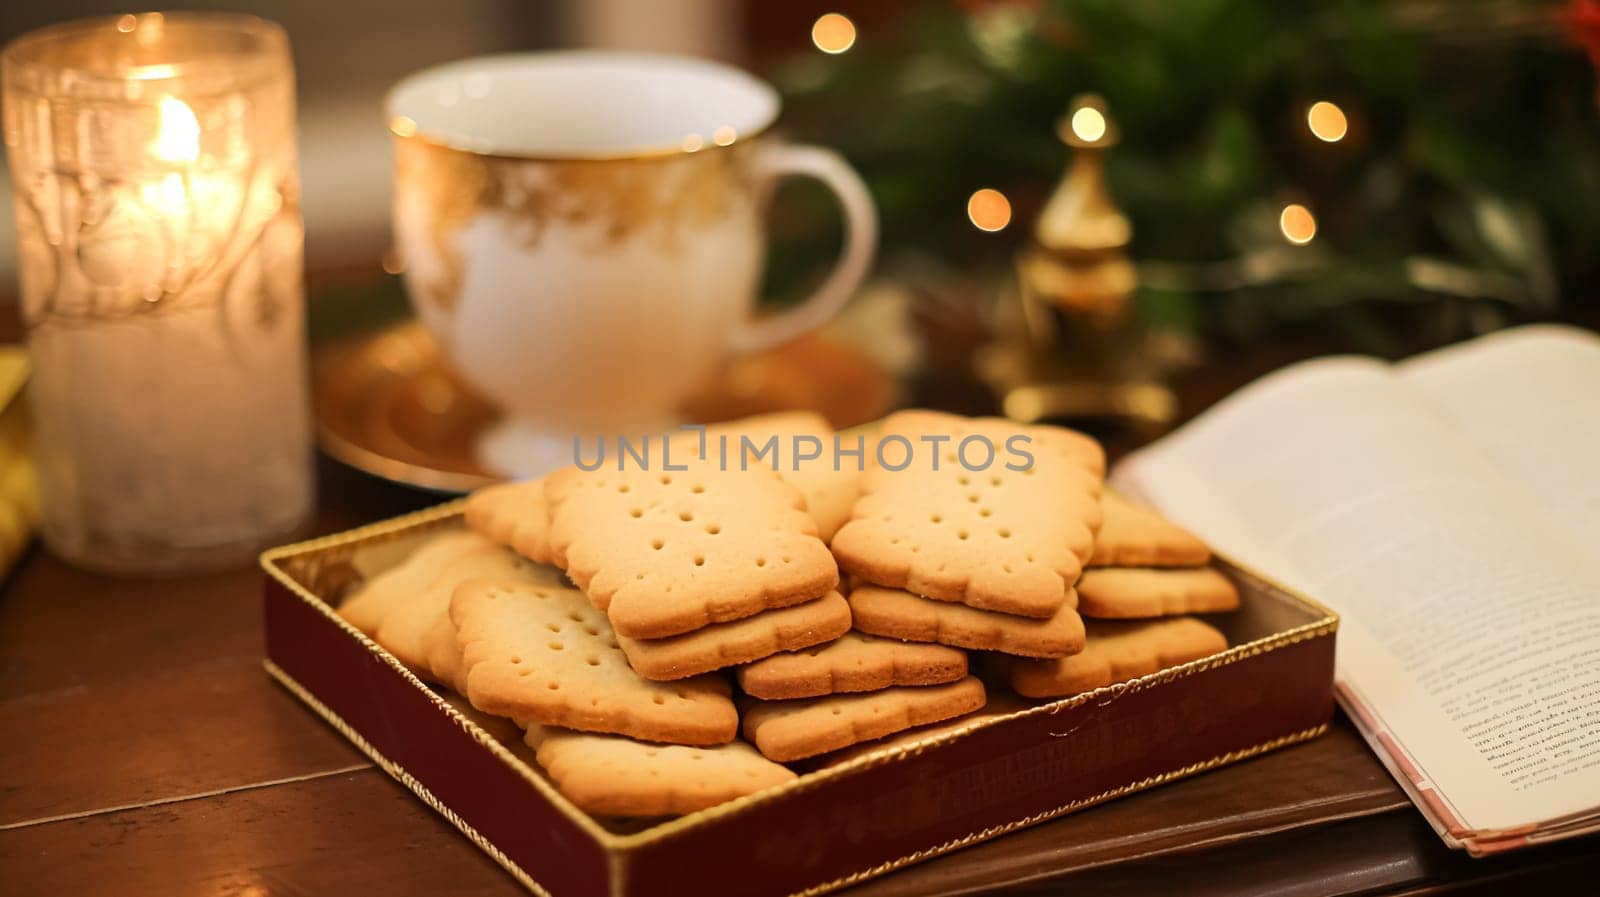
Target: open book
{"x": 1448, "y": 507}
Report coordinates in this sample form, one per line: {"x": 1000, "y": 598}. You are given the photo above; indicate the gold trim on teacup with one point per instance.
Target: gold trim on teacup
{"x": 725, "y": 137}
{"x": 615, "y": 199}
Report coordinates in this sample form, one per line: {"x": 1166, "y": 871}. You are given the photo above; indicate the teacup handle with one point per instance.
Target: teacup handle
{"x": 860, "y": 242}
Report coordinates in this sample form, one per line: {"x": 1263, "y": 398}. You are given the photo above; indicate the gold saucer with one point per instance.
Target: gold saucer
{"x": 389, "y": 404}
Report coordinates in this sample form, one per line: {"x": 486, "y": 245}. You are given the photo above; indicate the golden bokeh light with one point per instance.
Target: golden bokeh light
{"x": 1088, "y": 124}
{"x": 693, "y": 143}
{"x": 1297, "y": 223}
{"x": 402, "y": 126}
{"x": 724, "y": 136}
{"x": 989, "y": 210}
{"x": 833, "y": 33}
{"x": 1327, "y": 121}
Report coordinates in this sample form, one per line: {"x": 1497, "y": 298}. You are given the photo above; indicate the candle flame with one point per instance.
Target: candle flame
{"x": 178, "y": 135}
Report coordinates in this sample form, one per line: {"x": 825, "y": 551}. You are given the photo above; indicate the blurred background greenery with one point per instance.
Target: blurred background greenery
{"x": 1464, "y": 195}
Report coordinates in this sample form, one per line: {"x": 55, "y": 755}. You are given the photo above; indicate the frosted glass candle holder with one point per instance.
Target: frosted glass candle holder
{"x": 157, "y": 206}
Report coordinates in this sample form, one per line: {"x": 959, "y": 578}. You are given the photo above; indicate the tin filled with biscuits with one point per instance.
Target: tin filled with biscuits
{"x": 651, "y": 682}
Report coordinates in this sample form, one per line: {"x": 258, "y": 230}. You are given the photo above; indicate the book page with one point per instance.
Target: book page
{"x": 1530, "y": 399}
{"x": 1470, "y": 620}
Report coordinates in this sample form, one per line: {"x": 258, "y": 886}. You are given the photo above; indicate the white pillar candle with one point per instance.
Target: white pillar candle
{"x": 156, "y": 194}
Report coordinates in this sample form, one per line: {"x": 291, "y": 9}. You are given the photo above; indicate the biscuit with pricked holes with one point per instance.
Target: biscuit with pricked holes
{"x": 404, "y": 631}
{"x": 543, "y": 654}
{"x": 607, "y": 775}
{"x": 896, "y": 613}
{"x": 855, "y": 662}
{"x": 1116, "y": 652}
{"x": 515, "y": 515}
{"x": 740, "y": 641}
{"x": 830, "y": 489}
{"x": 1132, "y": 535}
{"x": 368, "y": 605}
{"x": 1136, "y": 592}
{"x": 793, "y": 730}
{"x": 998, "y": 539}
{"x": 667, "y": 552}
{"x": 441, "y": 652}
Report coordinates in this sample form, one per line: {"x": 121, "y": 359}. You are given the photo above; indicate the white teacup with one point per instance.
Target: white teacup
{"x": 582, "y": 231}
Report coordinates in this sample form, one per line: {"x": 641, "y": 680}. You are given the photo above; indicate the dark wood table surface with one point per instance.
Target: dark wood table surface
{"x": 144, "y": 751}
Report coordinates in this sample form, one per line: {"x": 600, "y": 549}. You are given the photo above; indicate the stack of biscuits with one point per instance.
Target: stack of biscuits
{"x": 1145, "y": 578}
{"x": 950, "y": 550}
{"x": 610, "y": 612}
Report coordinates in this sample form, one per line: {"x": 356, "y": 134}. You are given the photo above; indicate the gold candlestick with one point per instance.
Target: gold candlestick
{"x": 1068, "y": 345}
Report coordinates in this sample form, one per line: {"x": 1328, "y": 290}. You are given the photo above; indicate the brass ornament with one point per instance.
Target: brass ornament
{"x": 1068, "y": 345}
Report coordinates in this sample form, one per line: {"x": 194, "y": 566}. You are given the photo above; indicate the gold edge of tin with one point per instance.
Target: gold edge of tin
{"x": 1073, "y": 806}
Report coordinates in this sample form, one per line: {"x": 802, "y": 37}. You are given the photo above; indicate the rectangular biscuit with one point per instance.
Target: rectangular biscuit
{"x": 1134, "y": 592}
{"x": 664, "y": 553}
{"x": 739, "y": 641}
{"x": 514, "y": 515}
{"x": 543, "y": 654}
{"x": 404, "y": 629}
{"x": 1116, "y": 652}
{"x": 441, "y": 649}
{"x": 443, "y": 653}
{"x": 898, "y": 614}
{"x": 1132, "y": 535}
{"x": 997, "y": 705}
{"x": 606, "y": 775}
{"x": 366, "y": 607}
{"x": 998, "y": 539}
{"x": 855, "y": 662}
{"x": 793, "y": 730}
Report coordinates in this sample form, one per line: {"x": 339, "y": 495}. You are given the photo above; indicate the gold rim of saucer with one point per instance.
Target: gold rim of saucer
{"x": 388, "y": 404}
{"x": 359, "y": 386}
{"x": 367, "y": 461}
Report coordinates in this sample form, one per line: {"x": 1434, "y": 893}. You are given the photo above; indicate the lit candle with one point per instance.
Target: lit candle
{"x": 156, "y": 195}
